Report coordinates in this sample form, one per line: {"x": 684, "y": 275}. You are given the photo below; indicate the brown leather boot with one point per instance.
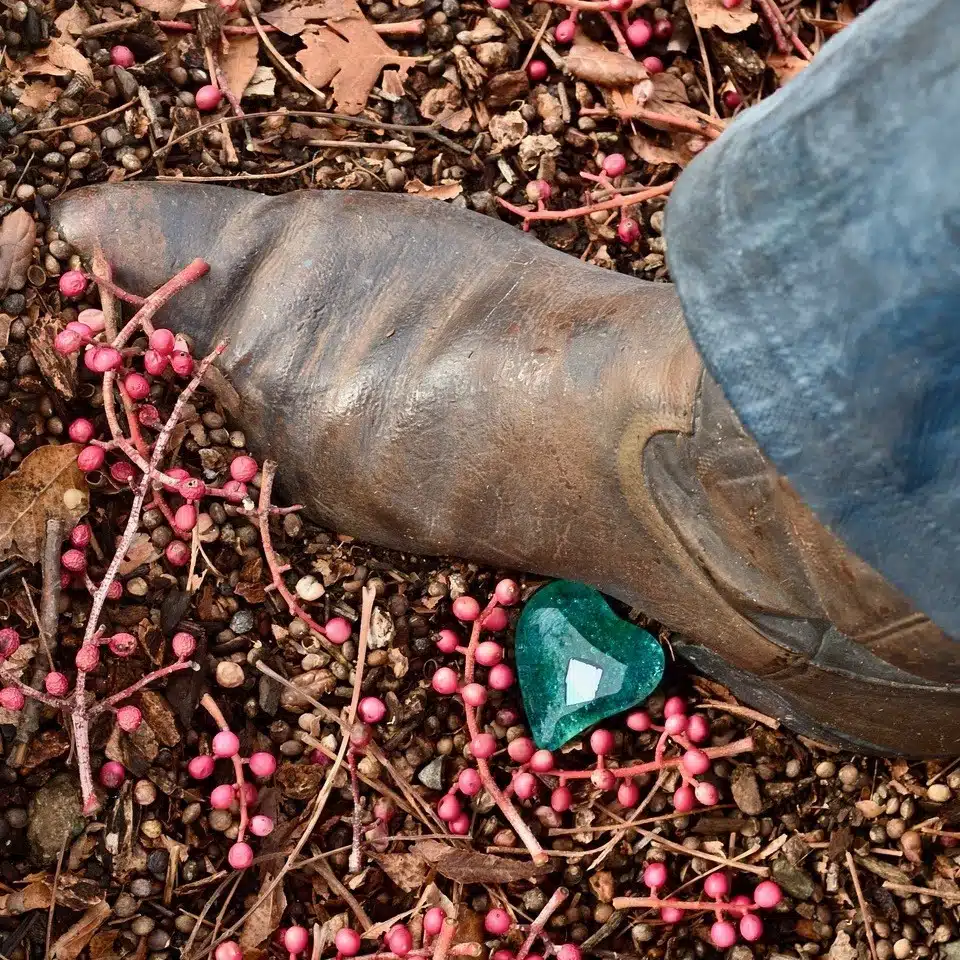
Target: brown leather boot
{"x": 438, "y": 382}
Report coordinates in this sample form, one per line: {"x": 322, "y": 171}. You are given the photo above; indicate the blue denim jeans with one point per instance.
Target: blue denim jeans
{"x": 816, "y": 250}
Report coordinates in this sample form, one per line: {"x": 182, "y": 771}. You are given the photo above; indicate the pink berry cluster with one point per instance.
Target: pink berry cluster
{"x": 636, "y": 33}
{"x": 498, "y": 923}
{"x": 723, "y": 933}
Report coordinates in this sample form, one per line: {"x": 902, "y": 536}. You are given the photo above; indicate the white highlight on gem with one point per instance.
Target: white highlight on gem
{"x": 583, "y": 681}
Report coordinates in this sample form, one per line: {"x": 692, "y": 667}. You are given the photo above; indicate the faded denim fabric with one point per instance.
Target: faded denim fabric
{"x": 816, "y": 249}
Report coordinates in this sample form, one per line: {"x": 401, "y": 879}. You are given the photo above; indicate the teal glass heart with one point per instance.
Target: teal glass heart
{"x": 579, "y": 663}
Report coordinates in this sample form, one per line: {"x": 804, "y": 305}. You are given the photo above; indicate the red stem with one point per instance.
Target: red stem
{"x": 627, "y": 903}
{"x": 530, "y": 215}
{"x": 210, "y": 705}
{"x": 542, "y": 919}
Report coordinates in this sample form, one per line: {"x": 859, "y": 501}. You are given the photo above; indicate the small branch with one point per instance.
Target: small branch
{"x": 864, "y": 913}
{"x": 705, "y": 126}
{"x": 103, "y": 705}
{"x": 629, "y": 903}
{"x": 211, "y": 706}
{"x": 779, "y": 38}
{"x": 444, "y": 940}
{"x": 616, "y": 203}
{"x": 542, "y": 919}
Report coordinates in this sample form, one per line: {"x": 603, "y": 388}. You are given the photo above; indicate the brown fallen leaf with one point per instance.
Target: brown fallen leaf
{"x": 466, "y": 866}
{"x": 292, "y": 18}
{"x": 677, "y": 153}
{"x": 159, "y": 716}
{"x": 102, "y": 945}
{"x": 73, "y": 21}
{"x": 786, "y": 66}
{"x": 349, "y": 54}
{"x": 239, "y": 63}
{"x": 141, "y": 551}
{"x": 34, "y": 896}
{"x": 67, "y": 57}
{"x": 47, "y": 485}
{"x": 74, "y": 941}
{"x": 18, "y": 234}
{"x": 712, "y": 13}
{"x": 442, "y": 191}
{"x": 39, "y": 95}
{"x": 264, "y": 918}
{"x": 406, "y": 870}
{"x": 669, "y": 88}
{"x": 593, "y": 62}
{"x": 60, "y": 369}
{"x": 165, "y": 9}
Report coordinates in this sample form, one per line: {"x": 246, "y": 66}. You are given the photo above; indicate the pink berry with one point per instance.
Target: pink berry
{"x": 155, "y": 363}
{"x": 74, "y": 560}
{"x": 675, "y": 706}
{"x": 192, "y": 489}
{"x": 496, "y": 922}
{"x": 83, "y": 329}
{"x": 92, "y": 319}
{"x": 722, "y": 933}
{"x": 240, "y": 856}
{"x": 684, "y": 800}
{"x": 162, "y": 341}
{"x": 675, "y": 725}
{"x": 483, "y": 746}
{"x": 706, "y": 794}
{"x": 614, "y": 164}
{"x": 521, "y": 749}
{"x": 122, "y": 644}
{"x": 561, "y": 800}
{"x": 717, "y": 885}
{"x": 619, "y": 6}
{"x": 11, "y": 699}
{"x": 433, "y": 920}
{"x": 129, "y": 718}
{"x": 767, "y": 895}
{"x": 503, "y": 954}
{"x": 183, "y": 645}
{"x": 655, "y": 875}
{"x": 449, "y": 808}
{"x": 445, "y": 681}
{"x": 460, "y": 826}
{"x": 507, "y": 592}
{"x": 262, "y": 764}
{"x": 448, "y": 641}
{"x": 121, "y": 56}
{"x": 628, "y": 230}
{"x": 565, "y": 31}
{"x": 371, "y": 709}
{"x": 185, "y": 518}
{"x": 499, "y": 4}
{"x": 235, "y": 491}
{"x": 115, "y": 590}
{"x": 501, "y": 677}
{"x": 742, "y": 900}
{"x": 228, "y": 950}
{"x": 338, "y": 630}
{"x": 489, "y": 653}
{"x": 56, "y": 684}
{"x": 537, "y": 70}
{"x": 628, "y": 794}
{"x": 73, "y": 284}
{"x": 474, "y": 694}
{"x": 347, "y": 942}
{"x": 208, "y": 98}
{"x": 261, "y": 825}
{"x": 653, "y": 65}
{"x": 671, "y": 914}
{"x": 226, "y": 744}
{"x": 542, "y": 761}
{"x": 663, "y": 29}
{"x": 137, "y": 386}
{"x": 732, "y": 99}
{"x": 177, "y": 553}
{"x": 243, "y": 469}
{"x": 469, "y": 782}
{"x": 250, "y": 794}
{"x": 9, "y": 642}
{"x": 67, "y": 342}
{"x": 495, "y": 620}
{"x": 695, "y": 762}
{"x": 201, "y": 767}
{"x": 399, "y": 940}
{"x": 81, "y": 535}
{"x": 81, "y": 430}
{"x": 87, "y": 658}
{"x": 182, "y": 363}
{"x": 221, "y": 798}
{"x": 698, "y": 728}
{"x": 731, "y": 4}
{"x": 525, "y": 785}
{"x": 466, "y": 609}
{"x": 104, "y": 359}
{"x": 295, "y": 939}
{"x": 569, "y": 951}
{"x": 639, "y": 720}
{"x": 601, "y": 742}
{"x": 90, "y": 459}
{"x": 148, "y": 415}
{"x": 639, "y": 33}
{"x": 121, "y": 472}
{"x": 112, "y": 774}
{"x": 751, "y": 927}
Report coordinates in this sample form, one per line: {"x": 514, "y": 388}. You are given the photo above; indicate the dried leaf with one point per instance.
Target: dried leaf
{"x": 142, "y": 550}
{"x": 102, "y": 945}
{"x": 73, "y": 942}
{"x": 165, "y": 9}
{"x": 406, "y": 870}
{"x": 35, "y": 896}
{"x": 240, "y": 63}
{"x": 593, "y": 62}
{"x": 68, "y": 58}
{"x": 39, "y": 95}
{"x": 712, "y": 13}
{"x": 45, "y": 486}
{"x": 466, "y": 866}
{"x": 669, "y": 88}
{"x": 442, "y": 191}
{"x": 73, "y": 21}
{"x": 159, "y": 716}
{"x": 391, "y": 83}
{"x": 18, "y": 234}
{"x": 263, "y": 83}
{"x": 265, "y": 918}
{"x": 349, "y": 55}
{"x": 60, "y": 369}
{"x": 786, "y": 66}
{"x": 292, "y": 18}
{"x": 650, "y": 152}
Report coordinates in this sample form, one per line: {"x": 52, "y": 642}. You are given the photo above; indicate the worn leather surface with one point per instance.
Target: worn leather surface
{"x": 438, "y": 382}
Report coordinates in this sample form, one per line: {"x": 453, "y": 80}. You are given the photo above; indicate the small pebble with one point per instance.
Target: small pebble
{"x": 825, "y": 769}
{"x": 242, "y": 622}
{"x": 902, "y": 949}
{"x": 143, "y": 925}
{"x": 229, "y": 674}
{"x": 938, "y": 793}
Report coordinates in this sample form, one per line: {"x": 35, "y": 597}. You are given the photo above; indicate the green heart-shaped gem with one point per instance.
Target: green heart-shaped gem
{"x": 579, "y": 663}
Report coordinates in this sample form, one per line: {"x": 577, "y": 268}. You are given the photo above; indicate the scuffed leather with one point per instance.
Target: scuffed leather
{"x": 438, "y": 382}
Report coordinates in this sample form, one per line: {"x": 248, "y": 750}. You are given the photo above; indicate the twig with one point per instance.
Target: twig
{"x": 536, "y": 41}
{"x": 444, "y": 939}
{"x": 779, "y": 38}
{"x": 247, "y": 176}
{"x": 323, "y": 868}
{"x": 906, "y": 888}
{"x": 704, "y": 855}
{"x": 706, "y": 61}
{"x": 614, "y": 204}
{"x": 864, "y": 913}
{"x": 705, "y": 126}
{"x": 542, "y": 919}
{"x": 355, "y": 864}
{"x": 86, "y": 120}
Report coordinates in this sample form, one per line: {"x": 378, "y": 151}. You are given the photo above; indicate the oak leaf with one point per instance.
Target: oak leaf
{"x": 65, "y": 56}
{"x": 712, "y": 13}
{"x": 593, "y": 62}
{"x": 18, "y": 234}
{"x": 47, "y": 485}
{"x": 292, "y": 18}
{"x": 239, "y": 63}
{"x": 349, "y": 54}
{"x": 39, "y": 95}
